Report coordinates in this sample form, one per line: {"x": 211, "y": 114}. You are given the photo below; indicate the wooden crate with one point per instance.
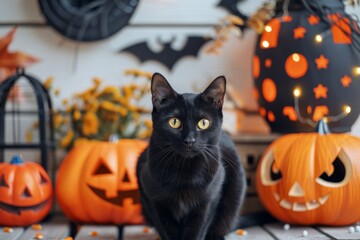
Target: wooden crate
{"x": 250, "y": 148}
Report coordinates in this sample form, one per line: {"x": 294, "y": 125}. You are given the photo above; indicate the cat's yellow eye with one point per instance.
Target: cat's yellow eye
{"x": 203, "y": 124}
{"x": 174, "y": 122}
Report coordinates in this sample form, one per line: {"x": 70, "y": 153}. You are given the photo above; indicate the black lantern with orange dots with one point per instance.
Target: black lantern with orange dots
{"x": 311, "y": 47}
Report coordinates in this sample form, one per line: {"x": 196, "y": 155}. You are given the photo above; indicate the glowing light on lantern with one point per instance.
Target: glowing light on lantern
{"x": 347, "y": 109}
{"x": 268, "y": 28}
{"x": 297, "y": 92}
{"x": 265, "y": 44}
{"x": 296, "y": 57}
{"x": 318, "y": 38}
{"x": 357, "y": 70}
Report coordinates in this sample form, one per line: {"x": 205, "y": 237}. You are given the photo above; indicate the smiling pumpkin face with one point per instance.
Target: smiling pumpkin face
{"x": 25, "y": 193}
{"x": 104, "y": 187}
{"x": 114, "y": 180}
{"x": 123, "y": 184}
{"x": 311, "y": 178}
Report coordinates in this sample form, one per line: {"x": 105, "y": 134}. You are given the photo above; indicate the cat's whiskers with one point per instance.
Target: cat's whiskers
{"x": 160, "y": 156}
{"x": 203, "y": 154}
{"x": 227, "y": 150}
{"x": 209, "y": 155}
{"x": 224, "y": 149}
{"x": 168, "y": 163}
{"x": 213, "y": 155}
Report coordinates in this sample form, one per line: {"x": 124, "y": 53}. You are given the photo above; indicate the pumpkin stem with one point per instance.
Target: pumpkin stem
{"x": 16, "y": 160}
{"x": 114, "y": 138}
{"x": 322, "y": 127}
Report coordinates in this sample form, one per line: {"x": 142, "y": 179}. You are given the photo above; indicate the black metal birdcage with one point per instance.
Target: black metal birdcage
{"x": 43, "y": 111}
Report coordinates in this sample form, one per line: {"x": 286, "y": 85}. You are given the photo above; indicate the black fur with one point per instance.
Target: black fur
{"x": 191, "y": 181}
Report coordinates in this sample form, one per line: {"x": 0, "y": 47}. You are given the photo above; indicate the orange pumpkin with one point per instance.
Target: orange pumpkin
{"x": 311, "y": 178}
{"x": 26, "y": 193}
{"x": 97, "y": 182}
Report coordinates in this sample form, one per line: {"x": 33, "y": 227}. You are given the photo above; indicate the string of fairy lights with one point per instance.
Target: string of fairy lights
{"x": 316, "y": 8}
{"x": 258, "y": 22}
{"x": 324, "y": 12}
{"x": 233, "y": 24}
{"x": 310, "y": 6}
{"x": 328, "y": 119}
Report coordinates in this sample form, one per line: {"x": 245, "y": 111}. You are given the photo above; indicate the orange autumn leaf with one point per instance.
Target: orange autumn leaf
{"x": 10, "y": 61}
{"x": 16, "y": 60}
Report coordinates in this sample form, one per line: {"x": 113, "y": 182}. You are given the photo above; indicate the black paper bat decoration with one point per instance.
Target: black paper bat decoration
{"x": 168, "y": 56}
{"x": 231, "y": 7}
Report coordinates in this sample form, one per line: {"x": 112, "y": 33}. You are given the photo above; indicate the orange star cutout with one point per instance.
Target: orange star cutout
{"x": 322, "y": 62}
{"x": 299, "y": 32}
{"x": 320, "y": 112}
{"x": 345, "y": 81}
{"x": 313, "y": 19}
{"x": 320, "y": 91}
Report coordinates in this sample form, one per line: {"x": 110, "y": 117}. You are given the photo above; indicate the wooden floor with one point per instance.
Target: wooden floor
{"x": 62, "y": 230}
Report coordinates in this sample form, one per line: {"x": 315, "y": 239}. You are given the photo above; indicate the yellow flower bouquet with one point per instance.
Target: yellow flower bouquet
{"x": 100, "y": 112}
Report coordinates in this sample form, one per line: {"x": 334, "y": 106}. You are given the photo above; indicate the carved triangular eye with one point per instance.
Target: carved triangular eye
{"x": 339, "y": 172}
{"x": 26, "y": 193}
{"x": 3, "y": 182}
{"x": 126, "y": 177}
{"x": 102, "y": 169}
{"x": 275, "y": 174}
{"x": 43, "y": 180}
{"x": 269, "y": 173}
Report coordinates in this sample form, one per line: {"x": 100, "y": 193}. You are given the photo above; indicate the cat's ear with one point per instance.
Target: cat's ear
{"x": 215, "y": 92}
{"x": 160, "y": 90}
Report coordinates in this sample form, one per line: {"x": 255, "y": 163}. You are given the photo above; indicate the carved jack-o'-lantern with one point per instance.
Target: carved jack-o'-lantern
{"x": 25, "y": 193}
{"x": 311, "y": 178}
{"x": 312, "y": 51}
{"x": 97, "y": 182}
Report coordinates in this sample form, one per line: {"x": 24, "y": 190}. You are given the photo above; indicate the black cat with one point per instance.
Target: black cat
{"x": 191, "y": 181}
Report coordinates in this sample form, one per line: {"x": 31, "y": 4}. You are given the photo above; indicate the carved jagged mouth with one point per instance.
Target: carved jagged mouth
{"x": 17, "y": 210}
{"x": 301, "y": 206}
{"x": 121, "y": 195}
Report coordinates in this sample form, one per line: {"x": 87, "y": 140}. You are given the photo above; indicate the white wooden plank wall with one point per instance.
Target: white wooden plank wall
{"x": 152, "y": 19}
{"x": 74, "y": 64}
